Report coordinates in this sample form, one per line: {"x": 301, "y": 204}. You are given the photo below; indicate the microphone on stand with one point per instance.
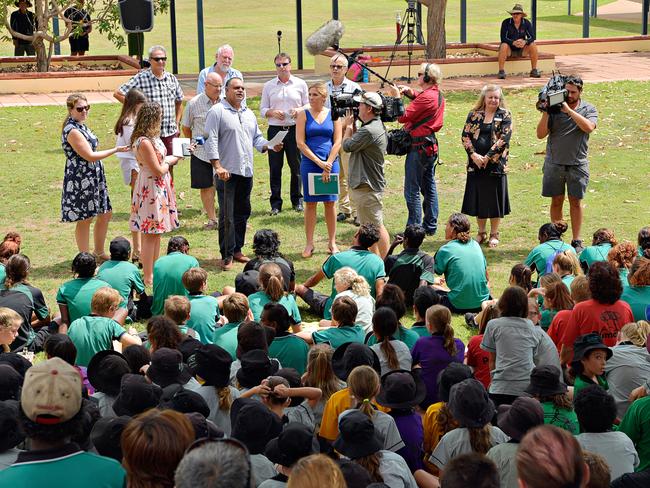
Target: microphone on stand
{"x": 279, "y": 34}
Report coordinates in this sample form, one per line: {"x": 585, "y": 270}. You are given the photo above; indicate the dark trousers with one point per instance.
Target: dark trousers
{"x": 24, "y": 50}
{"x": 234, "y": 198}
{"x": 276, "y": 161}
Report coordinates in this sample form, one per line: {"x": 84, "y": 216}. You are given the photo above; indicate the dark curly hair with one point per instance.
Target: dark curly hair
{"x": 640, "y": 272}
{"x": 644, "y": 238}
{"x": 460, "y": 226}
{"x": 552, "y": 230}
{"x": 84, "y": 265}
{"x": 266, "y": 244}
{"x": 604, "y": 236}
{"x": 178, "y": 244}
{"x": 368, "y": 235}
{"x": 595, "y": 408}
{"x": 163, "y": 332}
{"x": 414, "y": 235}
{"x": 423, "y": 298}
{"x": 73, "y": 428}
{"x": 521, "y": 275}
{"x": 604, "y": 283}
{"x": 622, "y": 255}
{"x": 392, "y": 297}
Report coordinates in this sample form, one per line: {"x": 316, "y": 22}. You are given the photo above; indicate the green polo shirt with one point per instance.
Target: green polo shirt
{"x": 336, "y": 336}
{"x": 407, "y": 336}
{"x": 567, "y": 280}
{"x": 591, "y": 254}
{"x": 3, "y": 273}
{"x": 420, "y": 329}
{"x": 168, "y": 278}
{"x": 203, "y": 316}
{"x": 412, "y": 256}
{"x": 291, "y": 351}
{"x": 638, "y": 298}
{"x": 92, "y": 334}
{"x": 540, "y": 253}
{"x": 257, "y": 300}
{"x": 123, "y": 276}
{"x": 561, "y": 417}
{"x": 78, "y": 294}
{"x": 636, "y": 424}
{"x": 226, "y": 337}
{"x": 464, "y": 267}
{"x": 582, "y": 382}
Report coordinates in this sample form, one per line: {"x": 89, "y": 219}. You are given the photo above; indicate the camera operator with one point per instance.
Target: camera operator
{"x": 367, "y": 146}
{"x": 422, "y": 119}
{"x": 336, "y": 86}
{"x": 566, "y": 164}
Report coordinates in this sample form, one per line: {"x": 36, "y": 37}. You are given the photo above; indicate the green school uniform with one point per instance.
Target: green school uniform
{"x": 3, "y": 274}
{"x": 257, "y": 300}
{"x": 638, "y": 298}
{"x": 291, "y": 351}
{"x": 582, "y": 382}
{"x": 540, "y": 253}
{"x": 226, "y": 337}
{"x": 77, "y": 294}
{"x": 547, "y": 317}
{"x": 420, "y": 329}
{"x": 636, "y": 424}
{"x": 168, "y": 278}
{"x": 123, "y": 276}
{"x": 407, "y": 336}
{"x": 622, "y": 273}
{"x": 592, "y": 254}
{"x": 204, "y": 314}
{"x": 92, "y": 334}
{"x": 561, "y": 417}
{"x": 336, "y": 336}
{"x": 464, "y": 267}
{"x": 567, "y": 280}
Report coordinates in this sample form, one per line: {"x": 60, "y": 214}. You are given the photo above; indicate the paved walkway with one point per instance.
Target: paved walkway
{"x": 593, "y": 68}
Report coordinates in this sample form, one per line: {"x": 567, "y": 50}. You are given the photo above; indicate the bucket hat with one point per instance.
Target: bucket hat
{"x": 255, "y": 366}
{"x": 295, "y": 442}
{"x": 253, "y": 424}
{"x": 517, "y": 419}
{"x": 545, "y": 381}
{"x": 105, "y": 371}
{"x": 212, "y": 363}
{"x": 167, "y": 368}
{"x": 136, "y": 395}
{"x": 586, "y": 343}
{"x": 348, "y": 356}
{"x": 470, "y": 405}
{"x": 448, "y": 377}
{"x": 401, "y": 389}
{"x": 357, "y": 437}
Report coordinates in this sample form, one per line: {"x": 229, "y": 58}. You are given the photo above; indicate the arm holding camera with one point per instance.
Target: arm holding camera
{"x": 583, "y": 123}
{"x": 542, "y": 126}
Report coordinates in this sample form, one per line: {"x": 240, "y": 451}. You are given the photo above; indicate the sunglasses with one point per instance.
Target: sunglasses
{"x": 159, "y": 59}
{"x": 337, "y": 66}
{"x": 82, "y": 109}
{"x": 225, "y": 440}
{"x": 281, "y": 65}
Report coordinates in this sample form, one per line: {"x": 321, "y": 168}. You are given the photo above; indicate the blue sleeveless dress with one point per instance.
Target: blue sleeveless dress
{"x": 319, "y": 139}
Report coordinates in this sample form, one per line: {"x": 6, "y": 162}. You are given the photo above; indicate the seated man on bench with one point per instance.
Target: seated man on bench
{"x": 517, "y": 40}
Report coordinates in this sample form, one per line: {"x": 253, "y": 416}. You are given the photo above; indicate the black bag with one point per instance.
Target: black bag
{"x": 399, "y": 142}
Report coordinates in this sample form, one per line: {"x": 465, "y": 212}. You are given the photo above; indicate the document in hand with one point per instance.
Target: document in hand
{"x": 179, "y": 146}
{"x": 317, "y": 186}
{"x": 278, "y": 138}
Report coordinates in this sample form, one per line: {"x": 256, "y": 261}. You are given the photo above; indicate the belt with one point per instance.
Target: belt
{"x": 285, "y": 127}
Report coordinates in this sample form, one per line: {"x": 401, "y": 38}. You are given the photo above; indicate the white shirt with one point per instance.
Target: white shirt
{"x": 283, "y": 96}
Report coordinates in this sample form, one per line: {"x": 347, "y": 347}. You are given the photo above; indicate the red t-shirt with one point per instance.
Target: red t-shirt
{"x": 479, "y": 359}
{"x": 423, "y": 105}
{"x": 591, "y": 316}
{"x": 558, "y": 326}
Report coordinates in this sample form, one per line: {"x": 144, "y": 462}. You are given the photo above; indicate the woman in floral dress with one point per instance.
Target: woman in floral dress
{"x": 153, "y": 208}
{"x": 85, "y": 194}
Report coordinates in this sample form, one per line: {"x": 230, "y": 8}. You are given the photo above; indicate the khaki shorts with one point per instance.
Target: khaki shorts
{"x": 370, "y": 209}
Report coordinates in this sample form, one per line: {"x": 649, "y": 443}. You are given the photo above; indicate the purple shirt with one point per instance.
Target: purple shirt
{"x": 412, "y": 433}
{"x": 430, "y": 354}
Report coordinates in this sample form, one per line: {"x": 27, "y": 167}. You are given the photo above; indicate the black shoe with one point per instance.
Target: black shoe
{"x": 501, "y": 74}
{"x": 577, "y": 245}
{"x": 430, "y": 233}
{"x": 342, "y": 217}
{"x": 469, "y": 320}
{"x": 298, "y": 208}
{"x": 274, "y": 212}
{"x": 356, "y": 222}
{"x": 534, "y": 73}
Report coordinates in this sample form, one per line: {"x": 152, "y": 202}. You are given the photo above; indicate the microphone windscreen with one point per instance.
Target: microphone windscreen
{"x": 279, "y": 33}
{"x": 328, "y": 35}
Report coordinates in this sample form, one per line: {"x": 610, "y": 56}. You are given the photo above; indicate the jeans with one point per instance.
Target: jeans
{"x": 234, "y": 198}
{"x": 276, "y": 161}
{"x": 419, "y": 177}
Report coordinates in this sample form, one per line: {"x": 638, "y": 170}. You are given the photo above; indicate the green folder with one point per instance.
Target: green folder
{"x": 317, "y": 186}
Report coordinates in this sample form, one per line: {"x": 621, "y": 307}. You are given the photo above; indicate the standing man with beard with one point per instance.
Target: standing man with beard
{"x": 566, "y": 168}
{"x": 224, "y": 58}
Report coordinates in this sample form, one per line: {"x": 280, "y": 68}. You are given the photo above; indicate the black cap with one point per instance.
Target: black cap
{"x": 296, "y": 441}
{"x": 247, "y": 282}
{"x": 106, "y": 435}
{"x": 545, "y": 381}
{"x": 255, "y": 366}
{"x": 470, "y": 405}
{"x": 10, "y": 383}
{"x": 167, "y": 367}
{"x": 10, "y": 433}
{"x": 175, "y": 397}
{"x": 119, "y": 247}
{"x": 357, "y": 437}
{"x": 136, "y": 395}
{"x": 401, "y": 389}
{"x": 212, "y": 363}
{"x": 586, "y": 343}
{"x": 352, "y": 354}
{"x": 105, "y": 371}
{"x": 353, "y": 473}
{"x": 448, "y": 377}
{"x": 20, "y": 363}
{"x": 253, "y": 424}
{"x": 517, "y": 419}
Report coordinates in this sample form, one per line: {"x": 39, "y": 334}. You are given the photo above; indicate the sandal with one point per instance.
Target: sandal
{"x": 135, "y": 259}
{"x": 481, "y": 237}
{"x": 101, "y": 258}
{"x": 308, "y": 252}
{"x": 494, "y": 240}
{"x": 333, "y": 250}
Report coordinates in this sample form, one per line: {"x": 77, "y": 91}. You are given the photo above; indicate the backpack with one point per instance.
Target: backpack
{"x": 551, "y": 257}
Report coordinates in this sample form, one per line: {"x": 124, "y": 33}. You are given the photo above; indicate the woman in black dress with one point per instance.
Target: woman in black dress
{"x": 486, "y": 138}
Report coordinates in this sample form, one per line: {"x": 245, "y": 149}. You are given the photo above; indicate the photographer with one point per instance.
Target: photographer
{"x": 566, "y": 164}
{"x": 422, "y": 119}
{"x": 367, "y": 146}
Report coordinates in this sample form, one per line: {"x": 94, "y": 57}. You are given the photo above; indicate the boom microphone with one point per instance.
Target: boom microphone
{"x": 328, "y": 35}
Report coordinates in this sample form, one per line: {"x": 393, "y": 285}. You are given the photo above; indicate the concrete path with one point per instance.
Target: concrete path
{"x": 622, "y": 10}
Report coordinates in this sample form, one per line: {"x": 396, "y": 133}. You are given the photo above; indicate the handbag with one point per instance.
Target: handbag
{"x": 400, "y": 140}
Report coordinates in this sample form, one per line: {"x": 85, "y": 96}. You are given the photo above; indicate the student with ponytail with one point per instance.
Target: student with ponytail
{"x": 603, "y": 240}
{"x": 435, "y": 352}
{"x": 540, "y": 259}
{"x": 320, "y": 375}
{"x": 393, "y": 354}
{"x": 272, "y": 290}
{"x": 566, "y": 265}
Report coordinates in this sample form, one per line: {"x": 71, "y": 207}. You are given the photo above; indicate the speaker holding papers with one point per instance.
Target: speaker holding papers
{"x": 317, "y": 186}
{"x": 136, "y": 15}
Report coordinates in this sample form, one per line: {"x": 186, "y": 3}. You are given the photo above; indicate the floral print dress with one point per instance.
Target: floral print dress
{"x": 85, "y": 193}
{"x": 153, "y": 208}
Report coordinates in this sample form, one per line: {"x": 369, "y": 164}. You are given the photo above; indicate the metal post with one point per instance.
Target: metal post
{"x": 199, "y": 28}
{"x": 594, "y": 8}
{"x": 533, "y": 16}
{"x": 463, "y": 21}
{"x": 644, "y": 19}
{"x": 585, "y": 19}
{"x": 335, "y": 9}
{"x": 55, "y": 29}
{"x": 568, "y": 7}
{"x": 172, "y": 21}
{"x": 299, "y": 31}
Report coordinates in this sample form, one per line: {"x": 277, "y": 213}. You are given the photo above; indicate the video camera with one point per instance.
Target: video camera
{"x": 553, "y": 95}
{"x": 392, "y": 107}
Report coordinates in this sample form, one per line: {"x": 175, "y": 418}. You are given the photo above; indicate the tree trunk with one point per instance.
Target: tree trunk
{"x": 42, "y": 58}
{"x": 436, "y": 37}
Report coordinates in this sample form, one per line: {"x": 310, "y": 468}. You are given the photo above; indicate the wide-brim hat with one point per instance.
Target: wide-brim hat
{"x": 20, "y": 363}
{"x": 357, "y": 437}
{"x": 348, "y": 356}
{"x": 295, "y": 442}
{"x": 136, "y": 395}
{"x": 212, "y": 363}
{"x": 517, "y": 419}
{"x": 204, "y": 428}
{"x": 167, "y": 368}
{"x": 470, "y": 404}
{"x": 253, "y": 424}
{"x": 29, "y": 4}
{"x": 545, "y": 381}
{"x": 184, "y": 401}
{"x": 10, "y": 433}
{"x": 401, "y": 389}
{"x": 448, "y": 377}
{"x": 517, "y": 9}
{"x": 255, "y": 366}
{"x": 105, "y": 371}
{"x": 106, "y": 435}
{"x": 10, "y": 383}
{"x": 589, "y": 342}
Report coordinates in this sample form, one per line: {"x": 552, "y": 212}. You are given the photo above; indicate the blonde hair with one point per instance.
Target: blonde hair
{"x": 480, "y": 103}
{"x": 439, "y": 319}
{"x": 147, "y": 122}
{"x": 363, "y": 383}
{"x": 225, "y": 398}
{"x": 319, "y": 372}
{"x": 104, "y": 299}
{"x": 549, "y": 278}
{"x": 580, "y": 289}
{"x": 270, "y": 278}
{"x": 636, "y": 332}
{"x": 568, "y": 261}
{"x": 9, "y": 318}
{"x": 70, "y": 102}
{"x": 235, "y": 307}
{"x": 353, "y": 280}
{"x": 319, "y": 88}
{"x": 177, "y": 308}
{"x": 316, "y": 471}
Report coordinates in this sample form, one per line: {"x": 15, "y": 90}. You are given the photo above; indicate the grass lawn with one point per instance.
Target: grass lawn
{"x": 32, "y": 162}
{"x": 251, "y": 27}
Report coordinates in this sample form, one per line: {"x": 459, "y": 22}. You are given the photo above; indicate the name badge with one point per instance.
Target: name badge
{"x": 498, "y": 119}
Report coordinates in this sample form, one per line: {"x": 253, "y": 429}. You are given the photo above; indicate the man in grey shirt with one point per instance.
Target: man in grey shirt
{"x": 366, "y": 181}
{"x": 566, "y": 168}
{"x": 232, "y": 134}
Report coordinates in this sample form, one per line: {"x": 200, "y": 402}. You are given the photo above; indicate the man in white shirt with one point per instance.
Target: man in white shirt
{"x": 282, "y": 98}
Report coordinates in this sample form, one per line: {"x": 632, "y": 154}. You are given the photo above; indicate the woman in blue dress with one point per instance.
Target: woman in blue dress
{"x": 319, "y": 141}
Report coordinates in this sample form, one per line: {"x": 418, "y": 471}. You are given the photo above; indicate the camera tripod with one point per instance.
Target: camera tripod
{"x": 410, "y": 31}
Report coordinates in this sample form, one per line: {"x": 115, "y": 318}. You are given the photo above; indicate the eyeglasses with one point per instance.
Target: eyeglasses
{"x": 216, "y": 85}
{"x": 337, "y": 66}
{"x": 281, "y": 65}
{"x": 159, "y": 58}
{"x": 83, "y": 109}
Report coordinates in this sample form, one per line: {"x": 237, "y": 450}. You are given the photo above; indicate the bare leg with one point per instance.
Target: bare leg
{"x": 330, "y": 220}
{"x": 494, "y": 232}
{"x": 531, "y": 50}
{"x": 382, "y": 246}
{"x": 150, "y": 251}
{"x": 135, "y": 235}
{"x": 207, "y": 198}
{"x": 575, "y": 209}
{"x": 310, "y": 225}
{"x": 556, "y": 208}
{"x": 504, "y": 52}
{"x": 82, "y": 235}
{"x": 100, "y": 230}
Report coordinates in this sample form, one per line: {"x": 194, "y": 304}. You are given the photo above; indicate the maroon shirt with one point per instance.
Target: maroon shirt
{"x": 424, "y": 104}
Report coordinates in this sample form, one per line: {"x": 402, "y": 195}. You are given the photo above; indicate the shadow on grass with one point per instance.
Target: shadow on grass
{"x": 605, "y": 24}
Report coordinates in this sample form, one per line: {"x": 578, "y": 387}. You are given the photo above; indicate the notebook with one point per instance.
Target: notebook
{"x": 317, "y": 186}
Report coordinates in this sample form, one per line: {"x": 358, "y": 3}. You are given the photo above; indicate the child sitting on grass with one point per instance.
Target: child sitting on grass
{"x": 289, "y": 349}
{"x": 602, "y": 242}
{"x": 96, "y": 332}
{"x": 588, "y": 366}
{"x": 177, "y": 309}
{"x": 272, "y": 284}
{"x": 351, "y": 284}
{"x": 235, "y": 308}
{"x": 392, "y": 297}
{"x": 424, "y": 297}
{"x": 343, "y": 329}
{"x": 393, "y": 353}
{"x": 545, "y": 386}
{"x": 204, "y": 309}
{"x": 566, "y": 264}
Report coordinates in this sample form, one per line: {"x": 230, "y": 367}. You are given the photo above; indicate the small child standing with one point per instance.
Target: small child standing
{"x": 96, "y": 332}
{"x": 204, "y": 309}
{"x": 589, "y": 358}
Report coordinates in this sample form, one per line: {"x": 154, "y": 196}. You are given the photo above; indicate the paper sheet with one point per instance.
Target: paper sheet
{"x": 278, "y": 138}
{"x": 177, "y": 146}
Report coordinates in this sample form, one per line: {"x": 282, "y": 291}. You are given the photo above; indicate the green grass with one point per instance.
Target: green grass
{"x": 250, "y": 27}
{"x": 32, "y": 162}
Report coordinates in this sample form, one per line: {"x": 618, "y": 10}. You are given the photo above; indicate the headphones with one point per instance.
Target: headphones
{"x": 426, "y": 78}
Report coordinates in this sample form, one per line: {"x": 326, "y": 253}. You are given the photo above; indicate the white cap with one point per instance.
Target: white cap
{"x": 370, "y": 98}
